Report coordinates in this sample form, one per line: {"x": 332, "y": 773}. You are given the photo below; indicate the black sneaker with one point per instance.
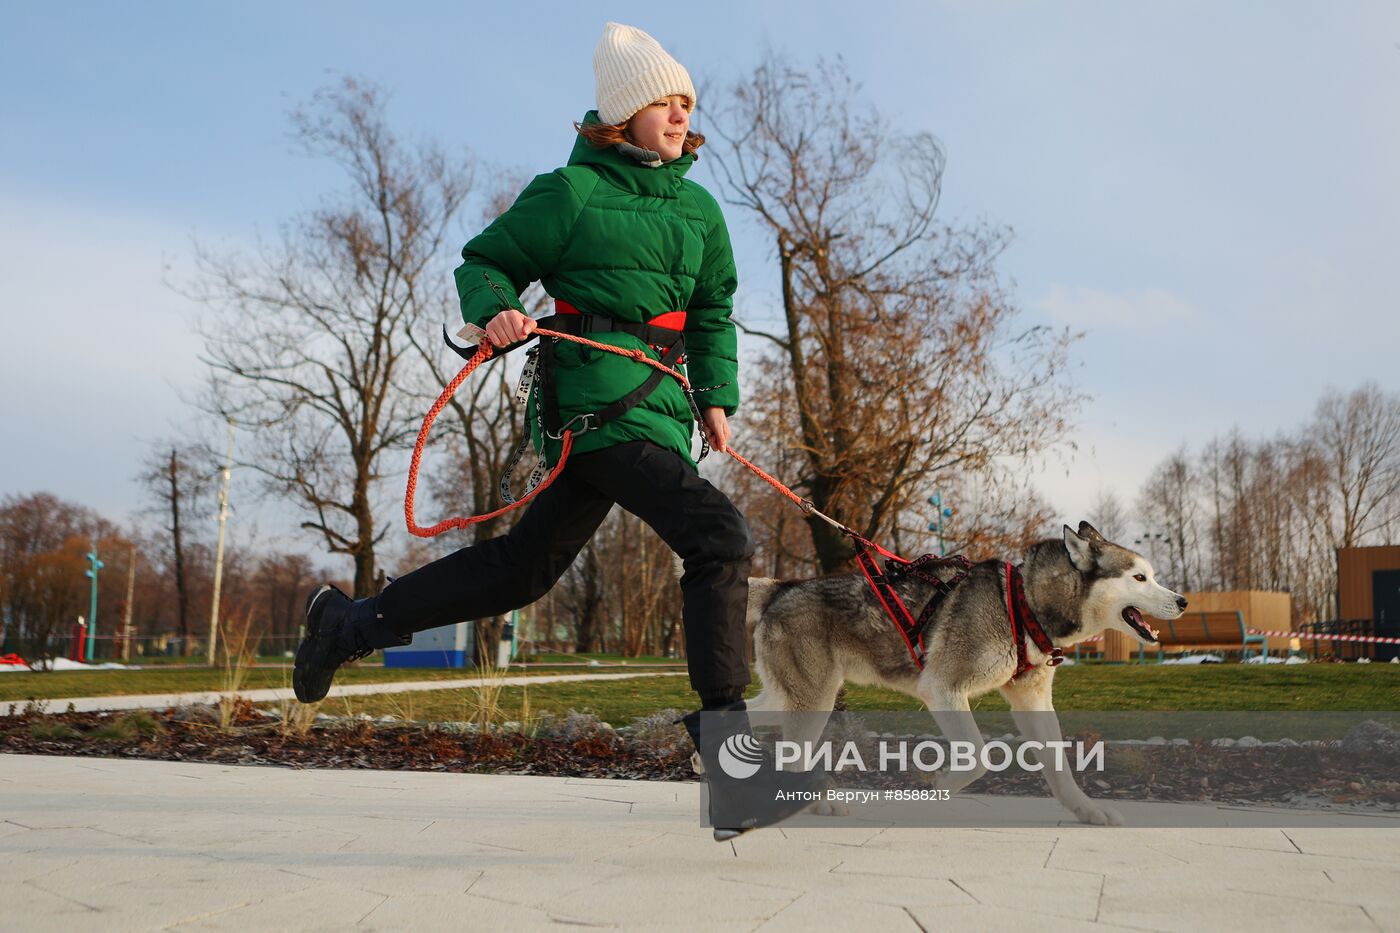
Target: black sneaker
{"x": 338, "y": 630}
{"x": 755, "y": 794}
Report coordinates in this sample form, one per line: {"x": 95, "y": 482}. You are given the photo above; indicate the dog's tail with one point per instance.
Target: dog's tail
{"x": 761, "y": 591}
{"x": 760, "y": 594}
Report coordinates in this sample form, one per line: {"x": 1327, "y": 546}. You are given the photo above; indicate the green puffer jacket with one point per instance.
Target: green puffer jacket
{"x": 614, "y": 237}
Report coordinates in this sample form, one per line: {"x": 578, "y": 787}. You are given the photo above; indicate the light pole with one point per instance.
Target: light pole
{"x": 1151, "y": 540}
{"x": 130, "y": 591}
{"x": 219, "y": 550}
{"x": 91, "y": 574}
{"x": 939, "y": 514}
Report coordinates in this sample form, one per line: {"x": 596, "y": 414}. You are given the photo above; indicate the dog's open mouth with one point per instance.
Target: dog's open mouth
{"x": 1134, "y": 619}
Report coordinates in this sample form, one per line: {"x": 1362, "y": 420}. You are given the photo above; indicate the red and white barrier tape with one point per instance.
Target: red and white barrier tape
{"x": 1369, "y": 639}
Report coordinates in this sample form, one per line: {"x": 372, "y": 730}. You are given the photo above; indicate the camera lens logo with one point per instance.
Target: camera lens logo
{"x": 741, "y": 755}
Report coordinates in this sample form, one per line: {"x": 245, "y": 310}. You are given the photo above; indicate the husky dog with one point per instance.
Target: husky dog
{"x": 810, "y": 636}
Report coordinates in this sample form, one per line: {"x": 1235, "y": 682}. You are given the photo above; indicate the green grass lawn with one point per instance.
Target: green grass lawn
{"x": 20, "y": 687}
{"x": 1083, "y": 687}
{"x": 553, "y": 657}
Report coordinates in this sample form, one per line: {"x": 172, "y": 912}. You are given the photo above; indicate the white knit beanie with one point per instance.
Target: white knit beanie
{"x": 633, "y": 70}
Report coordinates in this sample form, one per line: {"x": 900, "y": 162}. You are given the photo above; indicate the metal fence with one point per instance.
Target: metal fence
{"x": 1342, "y": 646}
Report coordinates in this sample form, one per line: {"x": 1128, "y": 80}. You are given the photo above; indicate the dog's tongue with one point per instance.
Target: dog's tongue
{"x": 1134, "y": 618}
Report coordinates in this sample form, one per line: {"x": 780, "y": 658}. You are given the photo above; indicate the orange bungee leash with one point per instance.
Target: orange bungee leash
{"x": 484, "y": 352}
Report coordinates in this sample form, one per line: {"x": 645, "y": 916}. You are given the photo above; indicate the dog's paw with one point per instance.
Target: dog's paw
{"x": 829, "y": 808}
{"x": 1098, "y": 816}
{"x": 696, "y": 764}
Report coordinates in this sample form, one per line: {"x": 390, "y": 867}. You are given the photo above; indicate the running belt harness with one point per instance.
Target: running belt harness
{"x": 663, "y": 333}
{"x": 666, "y": 338}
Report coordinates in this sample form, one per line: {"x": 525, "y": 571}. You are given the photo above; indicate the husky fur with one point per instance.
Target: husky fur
{"x": 811, "y": 636}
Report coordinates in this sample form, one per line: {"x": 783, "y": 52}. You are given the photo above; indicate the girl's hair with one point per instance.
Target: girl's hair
{"x": 603, "y": 135}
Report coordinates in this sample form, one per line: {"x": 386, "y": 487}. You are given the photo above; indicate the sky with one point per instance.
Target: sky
{"x": 1207, "y": 190}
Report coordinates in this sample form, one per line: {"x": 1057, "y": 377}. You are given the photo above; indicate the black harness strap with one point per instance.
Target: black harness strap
{"x": 923, "y": 568}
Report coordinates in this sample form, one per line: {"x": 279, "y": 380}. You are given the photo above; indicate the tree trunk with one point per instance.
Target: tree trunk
{"x": 182, "y": 593}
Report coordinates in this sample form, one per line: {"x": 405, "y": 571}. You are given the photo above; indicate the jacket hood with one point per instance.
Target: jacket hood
{"x": 622, "y": 171}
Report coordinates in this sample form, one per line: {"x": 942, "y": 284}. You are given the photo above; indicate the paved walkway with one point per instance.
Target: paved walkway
{"x": 165, "y": 700}
{"x": 110, "y": 845}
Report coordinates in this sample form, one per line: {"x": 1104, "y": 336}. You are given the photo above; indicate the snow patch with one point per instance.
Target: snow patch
{"x": 63, "y": 664}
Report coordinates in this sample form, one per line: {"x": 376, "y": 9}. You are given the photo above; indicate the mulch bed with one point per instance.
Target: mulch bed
{"x": 251, "y": 739}
{"x": 1367, "y": 776}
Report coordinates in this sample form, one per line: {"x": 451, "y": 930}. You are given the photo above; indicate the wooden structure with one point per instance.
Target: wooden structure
{"x": 1368, "y": 587}
{"x": 1253, "y": 609}
{"x": 1223, "y": 629}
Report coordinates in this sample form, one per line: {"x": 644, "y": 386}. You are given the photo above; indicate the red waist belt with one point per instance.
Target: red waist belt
{"x": 671, "y": 320}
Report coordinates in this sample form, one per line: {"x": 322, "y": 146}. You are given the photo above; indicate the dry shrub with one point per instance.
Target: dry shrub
{"x": 659, "y": 733}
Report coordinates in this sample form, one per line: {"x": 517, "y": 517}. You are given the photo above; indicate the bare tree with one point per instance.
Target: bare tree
{"x": 895, "y": 336}
{"x": 1169, "y": 507}
{"x": 44, "y": 543}
{"x": 585, "y": 595}
{"x": 1268, "y": 514}
{"x": 177, "y": 480}
{"x": 1359, "y": 434}
{"x": 308, "y": 343}
{"x": 1109, "y": 516}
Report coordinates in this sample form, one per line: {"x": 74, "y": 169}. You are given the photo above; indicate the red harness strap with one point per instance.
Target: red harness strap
{"x": 1023, "y": 623}
{"x": 923, "y": 568}
{"x": 894, "y": 606}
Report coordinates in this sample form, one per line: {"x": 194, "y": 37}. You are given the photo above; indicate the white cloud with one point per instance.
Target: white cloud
{"x": 1085, "y": 306}
{"x": 96, "y": 347}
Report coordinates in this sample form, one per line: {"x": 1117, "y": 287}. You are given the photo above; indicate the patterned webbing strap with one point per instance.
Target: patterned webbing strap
{"x": 1023, "y": 623}
{"x": 921, "y": 568}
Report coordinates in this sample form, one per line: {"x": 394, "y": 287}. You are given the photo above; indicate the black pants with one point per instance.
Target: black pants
{"x": 694, "y": 518}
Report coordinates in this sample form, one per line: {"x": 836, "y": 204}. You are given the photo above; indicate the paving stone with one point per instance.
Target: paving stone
{"x": 945, "y": 856}
{"x": 1381, "y": 845}
{"x": 452, "y": 913}
{"x": 1110, "y": 852}
{"x": 534, "y": 884}
{"x": 981, "y": 918}
{"x": 1146, "y": 904}
{"x": 134, "y": 845}
{"x": 672, "y": 896}
{"x": 1073, "y": 894}
{"x": 820, "y": 911}
{"x": 319, "y": 907}
{"x": 1239, "y": 838}
{"x": 19, "y": 866}
{"x": 1377, "y": 891}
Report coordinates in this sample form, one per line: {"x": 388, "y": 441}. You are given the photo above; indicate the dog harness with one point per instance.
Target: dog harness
{"x": 1023, "y": 623}
{"x": 921, "y": 568}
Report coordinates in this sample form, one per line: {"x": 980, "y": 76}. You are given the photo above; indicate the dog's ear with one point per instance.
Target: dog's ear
{"x": 1089, "y": 533}
{"x": 1081, "y": 551}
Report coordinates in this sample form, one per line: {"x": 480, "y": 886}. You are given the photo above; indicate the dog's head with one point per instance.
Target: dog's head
{"x": 1120, "y": 588}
